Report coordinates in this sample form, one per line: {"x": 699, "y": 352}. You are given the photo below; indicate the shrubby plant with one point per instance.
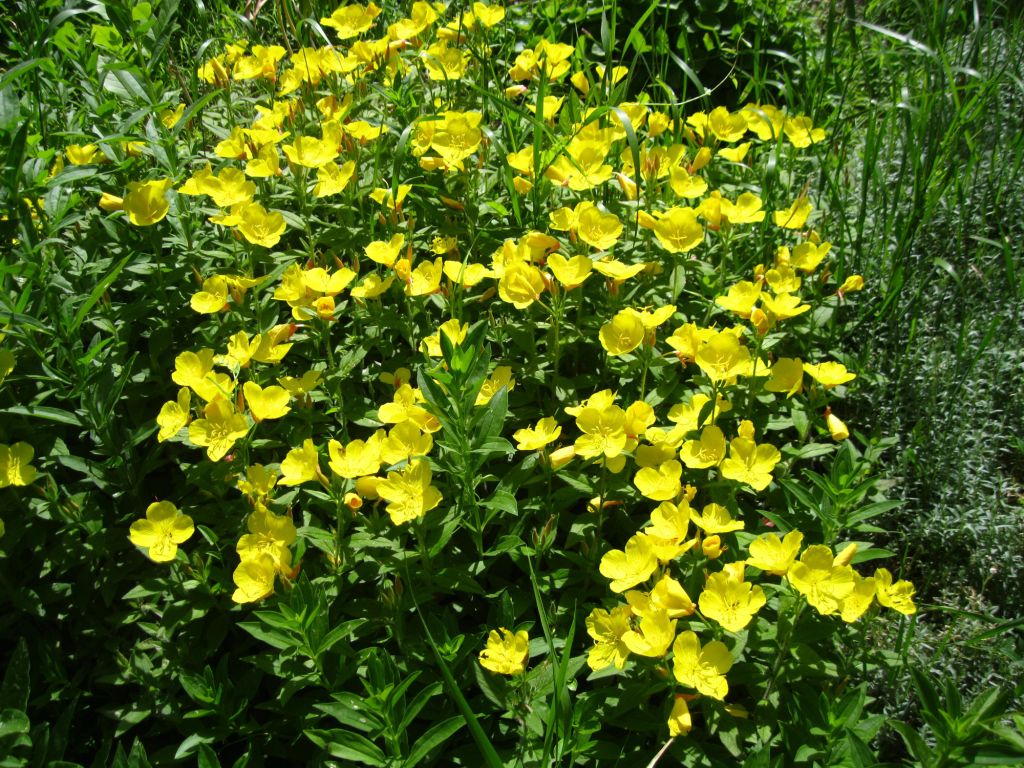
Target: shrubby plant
{"x": 505, "y": 417}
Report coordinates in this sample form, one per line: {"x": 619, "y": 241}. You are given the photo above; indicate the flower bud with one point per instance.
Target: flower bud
{"x": 712, "y": 547}
{"x": 836, "y": 427}
{"x": 559, "y": 458}
{"x": 846, "y": 556}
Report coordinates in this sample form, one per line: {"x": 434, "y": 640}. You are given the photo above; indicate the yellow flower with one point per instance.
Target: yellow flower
{"x": 173, "y": 416}
{"x": 260, "y": 226}
{"x": 740, "y": 298}
{"x": 404, "y": 407}
{"x": 807, "y": 256}
{"x": 220, "y": 428}
{"x": 332, "y": 179}
{"x": 795, "y": 216}
{"x": 653, "y": 635}
{"x": 706, "y": 452}
{"x": 351, "y": 20}
{"x": 456, "y": 136}
{"x": 521, "y": 285}
{"x": 254, "y": 579}
{"x": 701, "y": 668}
{"x": 272, "y": 349}
{"x": 607, "y": 629}
{"x": 677, "y": 229}
{"x": 783, "y": 305}
{"x": 259, "y": 482}
{"x": 859, "y": 600}
{"x": 302, "y": 385}
{"x": 453, "y": 329}
{"x": 372, "y": 287}
{"x": 774, "y": 555}
{"x": 801, "y": 132}
{"x": 385, "y": 253}
{"x": 597, "y": 229}
{"x": 571, "y": 273}
{"x": 466, "y": 275}
{"x": 170, "y": 117}
{"x": 506, "y": 653}
{"x": 687, "y": 339}
{"x": 234, "y": 147}
{"x": 444, "y": 63}
{"x": 603, "y": 432}
{"x": 501, "y": 377}
{"x": 715, "y": 518}
{"x": 426, "y": 278}
{"x": 669, "y": 596}
{"x": 212, "y": 298}
{"x": 362, "y": 131}
{"x": 898, "y": 596}
{"x": 488, "y": 15}
{"x": 723, "y": 357}
{"x": 535, "y": 438}
{"x": 729, "y": 600}
{"x": 81, "y": 154}
{"x": 686, "y": 185}
{"x": 735, "y": 154}
{"x": 421, "y": 16}
{"x": 851, "y": 284}
{"x": 268, "y": 403}
{"x": 146, "y": 201}
{"x": 746, "y": 209}
{"x": 162, "y": 530}
{"x": 783, "y": 279}
{"x": 680, "y": 722}
{"x": 750, "y": 463}
{"x": 359, "y": 457}
{"x": 404, "y": 442}
{"x": 787, "y": 375}
{"x": 667, "y": 532}
{"x": 269, "y": 534}
{"x": 816, "y": 576}
{"x": 195, "y": 370}
{"x": 300, "y": 465}
{"x": 629, "y": 567}
{"x": 409, "y": 493}
{"x": 765, "y": 120}
{"x": 829, "y": 374}
{"x": 15, "y": 468}
{"x": 616, "y": 270}
{"x": 660, "y": 484}
{"x": 623, "y": 333}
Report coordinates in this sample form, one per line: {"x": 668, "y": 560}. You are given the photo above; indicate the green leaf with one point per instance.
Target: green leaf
{"x": 483, "y": 743}
{"x": 916, "y": 745}
{"x": 15, "y": 688}
{"x": 94, "y": 295}
{"x": 273, "y": 638}
{"x": 13, "y": 721}
{"x": 347, "y": 745}
{"x": 207, "y": 757}
{"x": 432, "y": 739}
{"x": 45, "y": 412}
{"x": 340, "y": 632}
{"x": 353, "y": 711}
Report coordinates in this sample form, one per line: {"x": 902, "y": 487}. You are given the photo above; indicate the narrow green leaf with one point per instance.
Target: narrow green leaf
{"x": 45, "y": 412}
{"x": 432, "y": 739}
{"x": 347, "y": 745}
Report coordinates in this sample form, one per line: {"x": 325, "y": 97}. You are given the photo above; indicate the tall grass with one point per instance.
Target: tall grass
{"x": 924, "y": 200}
